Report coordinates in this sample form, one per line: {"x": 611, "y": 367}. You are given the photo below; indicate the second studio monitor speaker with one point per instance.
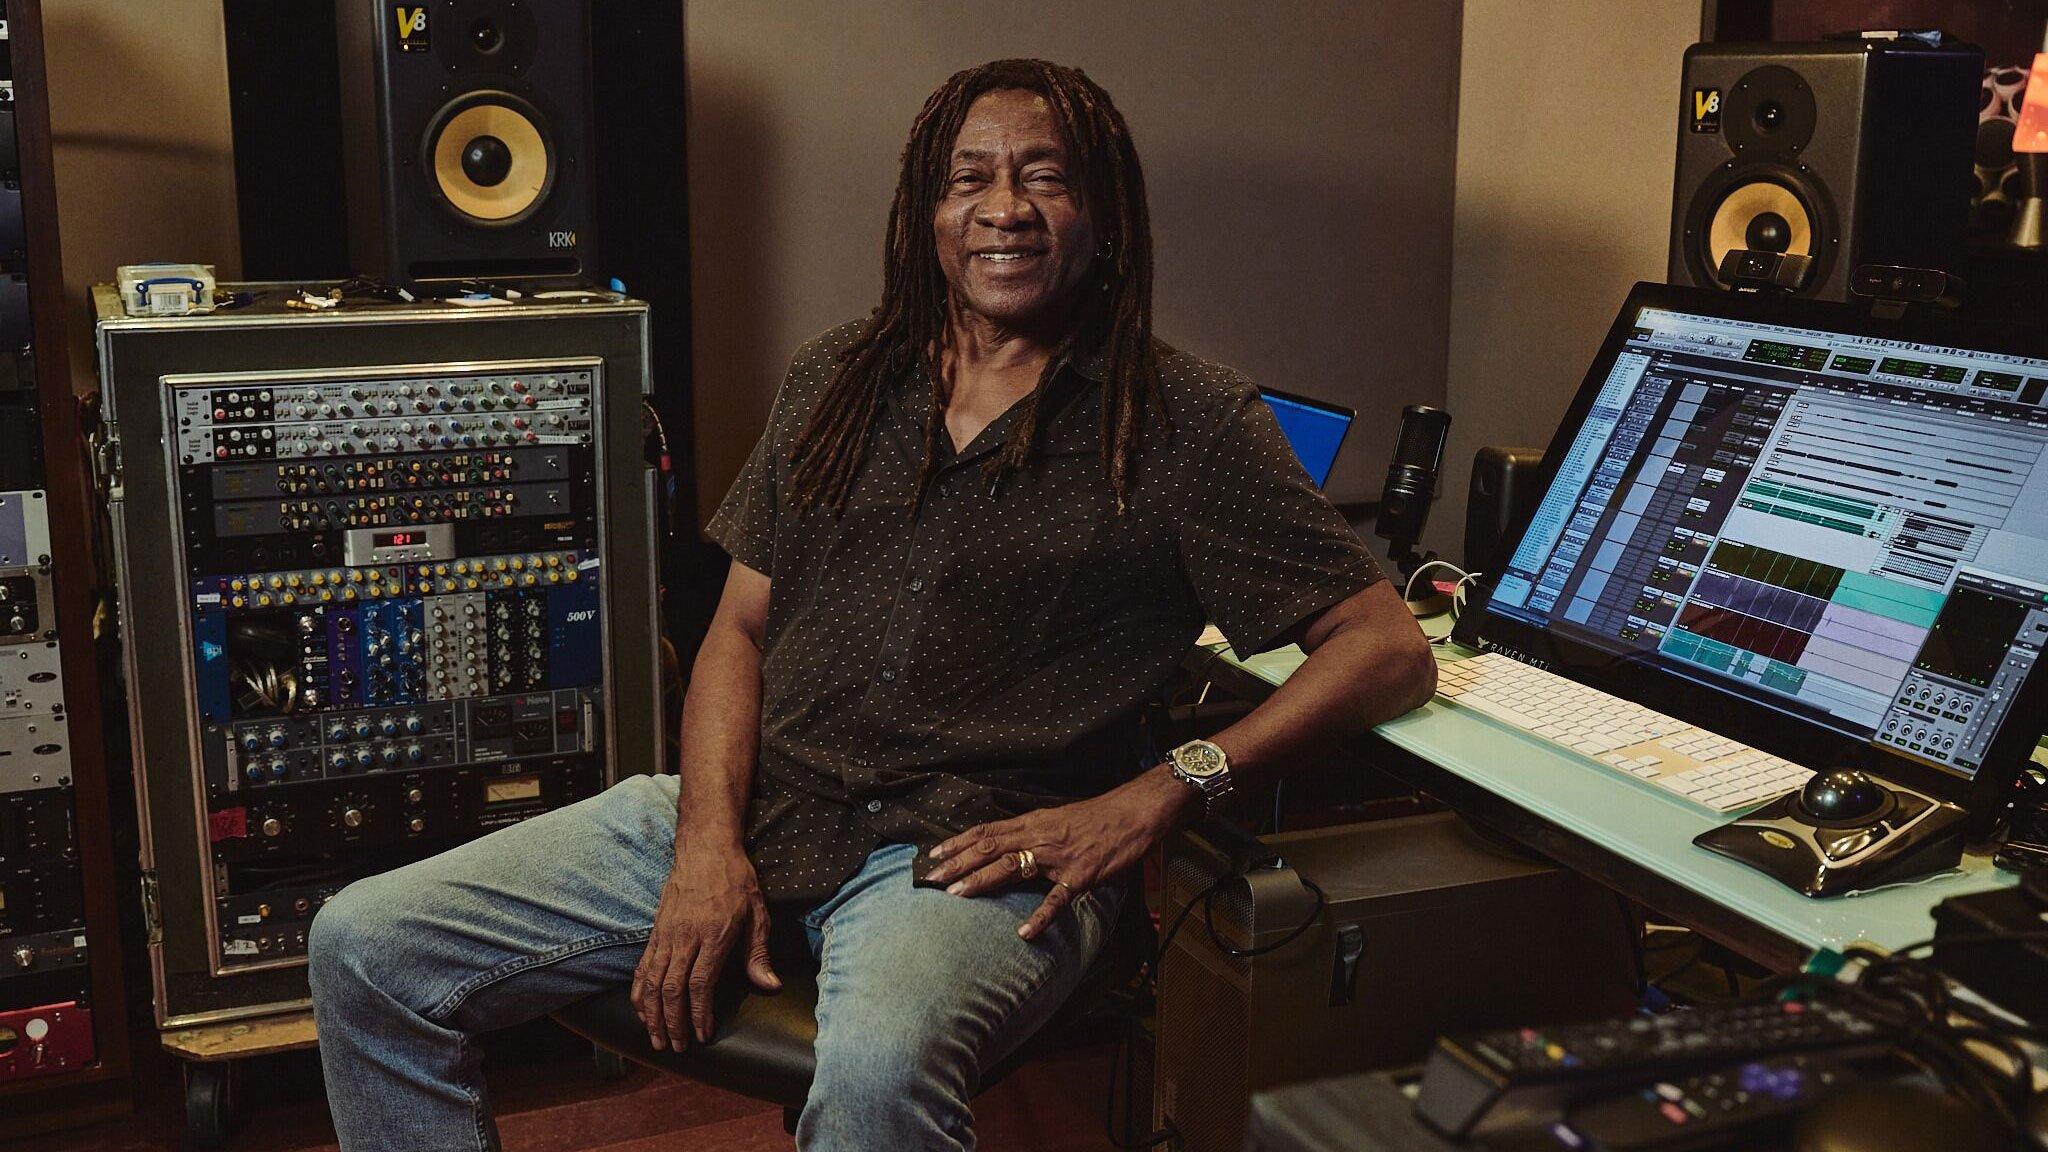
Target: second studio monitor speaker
{"x": 1505, "y": 483}
{"x": 1845, "y": 152}
{"x": 467, "y": 141}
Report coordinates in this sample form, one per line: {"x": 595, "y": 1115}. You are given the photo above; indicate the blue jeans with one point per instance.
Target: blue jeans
{"x": 917, "y": 990}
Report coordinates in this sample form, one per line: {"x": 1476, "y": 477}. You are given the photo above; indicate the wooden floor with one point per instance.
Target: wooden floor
{"x": 555, "y": 1102}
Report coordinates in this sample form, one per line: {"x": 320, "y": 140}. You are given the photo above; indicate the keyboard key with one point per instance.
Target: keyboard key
{"x": 1501, "y": 711}
{"x": 1727, "y": 774}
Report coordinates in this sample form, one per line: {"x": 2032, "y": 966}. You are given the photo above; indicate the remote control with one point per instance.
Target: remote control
{"x": 1710, "y": 1108}
{"x": 1466, "y": 1076}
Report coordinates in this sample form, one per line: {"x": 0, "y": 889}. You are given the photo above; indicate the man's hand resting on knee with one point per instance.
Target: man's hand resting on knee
{"x": 710, "y": 906}
{"x": 1075, "y": 846}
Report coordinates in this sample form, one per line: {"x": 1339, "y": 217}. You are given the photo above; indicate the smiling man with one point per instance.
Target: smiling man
{"x": 980, "y": 531}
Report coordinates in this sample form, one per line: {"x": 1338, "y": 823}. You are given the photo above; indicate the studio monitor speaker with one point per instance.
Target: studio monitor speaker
{"x": 1504, "y": 487}
{"x": 1847, "y": 152}
{"x": 466, "y": 137}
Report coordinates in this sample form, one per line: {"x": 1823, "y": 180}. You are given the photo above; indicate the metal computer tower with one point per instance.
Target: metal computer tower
{"x": 386, "y": 578}
{"x": 1428, "y": 929}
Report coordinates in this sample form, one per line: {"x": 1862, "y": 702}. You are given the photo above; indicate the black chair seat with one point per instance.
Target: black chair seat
{"x": 761, "y": 1043}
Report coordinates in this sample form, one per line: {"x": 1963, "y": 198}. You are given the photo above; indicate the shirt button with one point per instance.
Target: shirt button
{"x": 917, "y": 585}
{"x": 888, "y": 674}
{"x": 874, "y": 805}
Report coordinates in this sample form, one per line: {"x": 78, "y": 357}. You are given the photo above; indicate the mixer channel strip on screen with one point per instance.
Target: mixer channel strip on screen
{"x": 1846, "y": 528}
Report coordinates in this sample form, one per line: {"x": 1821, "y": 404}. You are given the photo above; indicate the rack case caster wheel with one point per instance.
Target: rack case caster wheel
{"x": 611, "y": 1066}
{"x": 209, "y": 1102}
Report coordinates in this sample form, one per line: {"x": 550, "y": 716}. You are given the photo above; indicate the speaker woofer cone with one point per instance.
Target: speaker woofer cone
{"x": 1742, "y": 204}
{"x": 1762, "y": 215}
{"x": 489, "y": 158}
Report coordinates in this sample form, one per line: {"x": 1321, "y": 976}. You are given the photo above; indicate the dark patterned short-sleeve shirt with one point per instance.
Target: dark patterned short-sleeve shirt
{"x": 930, "y": 665}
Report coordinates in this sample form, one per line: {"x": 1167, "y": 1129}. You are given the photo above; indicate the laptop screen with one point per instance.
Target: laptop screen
{"x": 1315, "y": 430}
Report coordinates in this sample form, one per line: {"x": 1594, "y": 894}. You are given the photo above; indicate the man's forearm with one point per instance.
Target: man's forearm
{"x": 1367, "y": 663}
{"x": 721, "y": 739}
{"x": 1355, "y": 680}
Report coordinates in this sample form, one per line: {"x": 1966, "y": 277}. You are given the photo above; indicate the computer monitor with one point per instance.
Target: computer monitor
{"x": 1315, "y": 429}
{"x": 1819, "y": 532}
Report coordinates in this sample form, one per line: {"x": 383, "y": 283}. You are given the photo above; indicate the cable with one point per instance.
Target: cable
{"x": 266, "y": 689}
{"x": 1636, "y": 945}
{"x": 1205, "y": 674}
{"x": 1465, "y": 579}
{"x": 1684, "y": 936}
{"x": 1458, "y": 593}
{"x": 1203, "y": 898}
{"x": 1937, "y": 1030}
{"x": 1166, "y": 942}
{"x": 1408, "y": 590}
{"x": 1307, "y": 922}
{"x": 1149, "y": 1140}
{"x": 664, "y": 464}
{"x": 1124, "y": 1057}
{"x": 357, "y": 286}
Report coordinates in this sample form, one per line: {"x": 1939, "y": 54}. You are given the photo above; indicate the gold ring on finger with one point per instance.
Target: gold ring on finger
{"x": 1027, "y": 864}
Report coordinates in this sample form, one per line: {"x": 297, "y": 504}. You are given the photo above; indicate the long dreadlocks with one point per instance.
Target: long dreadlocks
{"x": 908, "y": 327}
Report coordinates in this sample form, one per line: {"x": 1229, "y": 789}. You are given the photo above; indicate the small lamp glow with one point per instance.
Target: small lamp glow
{"x": 2030, "y": 147}
{"x": 2031, "y": 134}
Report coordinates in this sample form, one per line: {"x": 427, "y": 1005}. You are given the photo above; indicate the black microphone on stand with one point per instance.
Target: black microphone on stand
{"x": 1410, "y": 486}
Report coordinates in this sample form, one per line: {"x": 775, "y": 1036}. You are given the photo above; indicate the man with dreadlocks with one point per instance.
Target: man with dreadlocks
{"x": 981, "y": 529}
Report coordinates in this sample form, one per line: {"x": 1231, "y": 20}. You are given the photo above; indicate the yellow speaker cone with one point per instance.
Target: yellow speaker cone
{"x": 1730, "y": 226}
{"x": 491, "y": 162}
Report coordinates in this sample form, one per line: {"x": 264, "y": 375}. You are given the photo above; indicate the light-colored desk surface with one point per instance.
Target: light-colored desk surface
{"x": 1645, "y": 825}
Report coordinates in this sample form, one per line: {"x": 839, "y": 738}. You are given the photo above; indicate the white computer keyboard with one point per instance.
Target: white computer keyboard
{"x": 1703, "y": 767}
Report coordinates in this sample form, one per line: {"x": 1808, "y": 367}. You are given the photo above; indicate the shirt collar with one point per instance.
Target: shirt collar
{"x": 1087, "y": 368}
{"x": 1091, "y": 362}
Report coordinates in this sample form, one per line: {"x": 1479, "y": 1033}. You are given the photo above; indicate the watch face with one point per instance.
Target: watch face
{"x": 1199, "y": 759}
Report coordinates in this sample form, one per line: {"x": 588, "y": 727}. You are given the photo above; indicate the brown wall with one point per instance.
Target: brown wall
{"x": 1300, "y": 166}
{"x": 1566, "y": 135}
{"x": 1299, "y": 160}
{"x": 141, "y": 142}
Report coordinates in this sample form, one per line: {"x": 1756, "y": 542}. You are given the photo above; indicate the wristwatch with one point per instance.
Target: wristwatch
{"x": 1204, "y": 767}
